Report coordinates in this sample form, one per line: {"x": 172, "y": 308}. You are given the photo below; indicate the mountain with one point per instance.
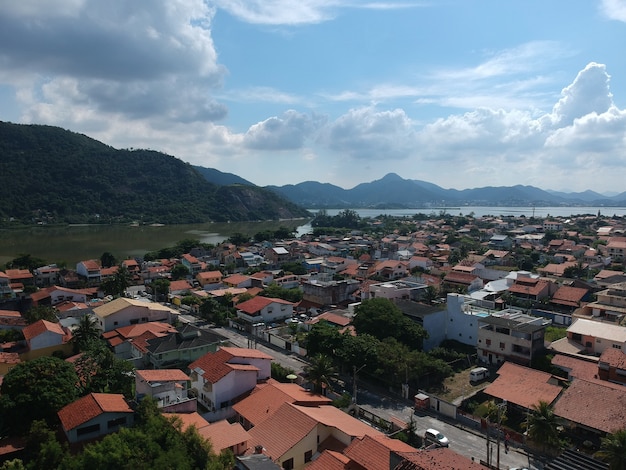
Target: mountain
{"x": 393, "y": 191}
{"x": 220, "y": 178}
{"x": 48, "y": 174}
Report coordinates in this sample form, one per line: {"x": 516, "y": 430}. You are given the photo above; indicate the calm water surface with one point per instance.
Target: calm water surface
{"x": 75, "y": 243}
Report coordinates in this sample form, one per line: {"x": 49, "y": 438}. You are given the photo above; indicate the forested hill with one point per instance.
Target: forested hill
{"x": 53, "y": 175}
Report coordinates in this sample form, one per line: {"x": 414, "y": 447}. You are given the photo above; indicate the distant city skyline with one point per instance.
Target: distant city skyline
{"x": 459, "y": 93}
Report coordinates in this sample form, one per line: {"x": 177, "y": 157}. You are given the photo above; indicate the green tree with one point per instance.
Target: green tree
{"x": 430, "y": 294}
{"x": 25, "y": 261}
{"x": 118, "y": 283}
{"x": 321, "y": 371}
{"x": 100, "y": 371}
{"x": 613, "y": 450}
{"x": 381, "y": 318}
{"x": 358, "y": 350}
{"x": 324, "y": 339}
{"x": 542, "y": 426}
{"x": 43, "y": 449}
{"x": 180, "y": 271}
{"x": 160, "y": 289}
{"x": 238, "y": 239}
{"x": 85, "y": 333}
{"x": 107, "y": 260}
{"x": 41, "y": 312}
{"x": 37, "y": 389}
{"x": 277, "y": 292}
{"x": 14, "y": 464}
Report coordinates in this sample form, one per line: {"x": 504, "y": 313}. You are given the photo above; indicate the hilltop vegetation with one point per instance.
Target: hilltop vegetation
{"x": 51, "y": 175}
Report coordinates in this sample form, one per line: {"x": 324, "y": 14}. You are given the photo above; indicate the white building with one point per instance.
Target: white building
{"x": 124, "y": 312}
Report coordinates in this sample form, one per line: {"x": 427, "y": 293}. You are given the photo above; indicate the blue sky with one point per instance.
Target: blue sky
{"x": 460, "y": 93}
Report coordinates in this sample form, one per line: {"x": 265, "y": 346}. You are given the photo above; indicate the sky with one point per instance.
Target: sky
{"x": 459, "y": 93}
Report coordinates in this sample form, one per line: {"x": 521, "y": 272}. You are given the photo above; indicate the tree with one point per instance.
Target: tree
{"x": 381, "y": 318}
{"x": 160, "y": 288}
{"x": 86, "y": 332}
{"x": 118, "y": 283}
{"x": 43, "y": 449}
{"x": 323, "y": 339}
{"x": 107, "y": 260}
{"x": 542, "y": 426}
{"x": 430, "y": 294}
{"x": 100, "y": 371}
{"x": 238, "y": 239}
{"x": 41, "y": 312}
{"x": 613, "y": 450}
{"x": 180, "y": 271}
{"x": 321, "y": 371}
{"x": 37, "y": 389}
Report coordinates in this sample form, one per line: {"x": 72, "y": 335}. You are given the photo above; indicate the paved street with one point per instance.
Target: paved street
{"x": 470, "y": 443}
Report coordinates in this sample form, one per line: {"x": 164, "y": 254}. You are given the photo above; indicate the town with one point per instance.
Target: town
{"x": 511, "y": 329}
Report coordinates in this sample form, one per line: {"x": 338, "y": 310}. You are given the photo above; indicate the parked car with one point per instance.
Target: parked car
{"x": 478, "y": 374}
{"x": 432, "y": 436}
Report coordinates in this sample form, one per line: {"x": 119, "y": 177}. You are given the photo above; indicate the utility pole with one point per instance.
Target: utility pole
{"x": 500, "y": 407}
{"x": 354, "y": 386}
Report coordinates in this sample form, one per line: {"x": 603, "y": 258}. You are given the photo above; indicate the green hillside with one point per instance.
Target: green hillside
{"x": 51, "y": 175}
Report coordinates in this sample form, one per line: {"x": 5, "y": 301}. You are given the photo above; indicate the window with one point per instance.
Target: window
{"x": 88, "y": 429}
{"x": 488, "y": 342}
{"x": 288, "y": 464}
{"x": 308, "y": 455}
{"x": 113, "y": 423}
{"x": 501, "y": 345}
{"x": 617, "y": 346}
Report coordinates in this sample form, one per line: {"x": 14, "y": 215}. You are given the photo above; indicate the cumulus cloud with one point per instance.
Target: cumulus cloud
{"x": 113, "y": 57}
{"x": 366, "y": 133}
{"x": 290, "y": 131}
{"x": 588, "y": 93}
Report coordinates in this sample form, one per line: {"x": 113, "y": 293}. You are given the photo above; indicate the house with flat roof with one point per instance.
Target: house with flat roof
{"x": 125, "y": 312}
{"x": 594, "y": 337}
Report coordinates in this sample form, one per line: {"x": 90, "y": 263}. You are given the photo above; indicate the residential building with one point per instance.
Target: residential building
{"x": 47, "y": 275}
{"x": 54, "y": 295}
{"x": 219, "y": 378}
{"x": 181, "y": 347}
{"x": 44, "y": 338}
{"x": 90, "y": 271}
{"x": 5, "y": 287}
{"x": 21, "y": 277}
{"x": 610, "y": 304}
{"x": 191, "y": 263}
{"x": 167, "y": 387}
{"x": 206, "y": 278}
{"x": 398, "y": 290}
{"x": 121, "y": 340}
{"x": 616, "y": 248}
{"x": 264, "y": 310}
{"x": 124, "y": 312}
{"x": 11, "y": 320}
{"x": 594, "y": 337}
{"x": 322, "y": 290}
{"x": 510, "y": 336}
{"x": 500, "y": 242}
{"x": 612, "y": 366}
{"x": 95, "y": 415}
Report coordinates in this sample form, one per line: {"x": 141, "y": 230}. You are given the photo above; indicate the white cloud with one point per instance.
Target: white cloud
{"x": 281, "y": 133}
{"x": 614, "y": 9}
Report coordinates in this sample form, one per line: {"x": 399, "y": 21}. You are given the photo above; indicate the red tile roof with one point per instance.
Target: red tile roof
{"x": 331, "y": 460}
{"x": 161, "y": 375}
{"x": 217, "y": 365}
{"x": 442, "y": 458}
{"x": 373, "y": 452}
{"x": 570, "y": 296}
{"x": 282, "y": 430}
{"x": 224, "y": 435}
{"x": 88, "y": 407}
{"x": 523, "y": 386}
{"x": 258, "y": 303}
{"x": 614, "y": 358}
{"x": 42, "y": 326}
{"x": 593, "y": 405}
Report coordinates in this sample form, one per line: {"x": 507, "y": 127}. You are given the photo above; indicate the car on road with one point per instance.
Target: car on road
{"x": 433, "y": 436}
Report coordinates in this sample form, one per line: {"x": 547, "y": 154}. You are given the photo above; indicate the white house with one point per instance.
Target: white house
{"x": 124, "y": 312}
{"x": 95, "y": 415}
{"x": 264, "y": 309}
{"x": 168, "y": 387}
{"x": 44, "y": 334}
{"x": 220, "y": 377}
{"x": 89, "y": 269}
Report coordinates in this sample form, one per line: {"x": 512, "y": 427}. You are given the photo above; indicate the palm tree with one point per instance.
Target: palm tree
{"x": 542, "y": 426}
{"x": 613, "y": 450}
{"x": 321, "y": 371}
{"x": 86, "y": 332}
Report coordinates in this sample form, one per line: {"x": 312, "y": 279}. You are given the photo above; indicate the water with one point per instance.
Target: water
{"x": 479, "y": 211}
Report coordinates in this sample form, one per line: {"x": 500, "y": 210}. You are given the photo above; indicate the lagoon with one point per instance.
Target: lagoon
{"x": 70, "y": 244}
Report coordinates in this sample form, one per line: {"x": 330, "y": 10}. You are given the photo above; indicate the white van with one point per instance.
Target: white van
{"x": 478, "y": 374}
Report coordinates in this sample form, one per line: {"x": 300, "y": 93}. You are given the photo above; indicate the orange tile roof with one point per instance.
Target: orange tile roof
{"x": 593, "y": 405}
{"x": 571, "y": 296}
{"x": 224, "y": 435}
{"x": 161, "y": 375}
{"x": 216, "y": 365}
{"x": 264, "y": 401}
{"x": 442, "y": 458}
{"x": 331, "y": 460}
{"x": 614, "y": 358}
{"x": 41, "y": 326}
{"x": 188, "y": 419}
{"x": 373, "y": 452}
{"x": 331, "y": 416}
{"x": 523, "y": 386}
{"x": 179, "y": 285}
{"x": 282, "y": 430}
{"x": 247, "y": 353}
{"x": 88, "y": 407}
{"x": 579, "y": 368}
{"x": 255, "y": 304}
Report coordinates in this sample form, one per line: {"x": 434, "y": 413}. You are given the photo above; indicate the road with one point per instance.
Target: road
{"x": 470, "y": 443}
